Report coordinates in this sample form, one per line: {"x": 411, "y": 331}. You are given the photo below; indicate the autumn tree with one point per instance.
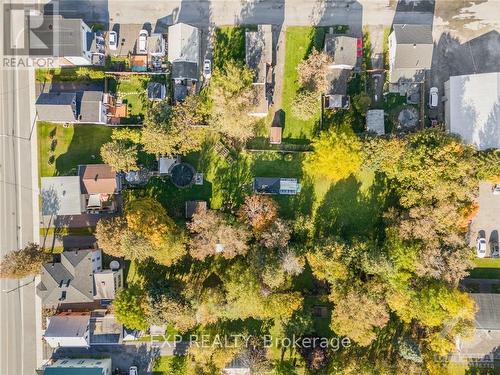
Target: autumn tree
{"x": 175, "y": 130}
{"x": 313, "y": 72}
{"x": 258, "y": 211}
{"x": 120, "y": 155}
{"x": 24, "y": 262}
{"x": 109, "y": 233}
{"x": 148, "y": 223}
{"x": 336, "y": 155}
{"x": 306, "y": 105}
{"x": 128, "y": 307}
{"x": 169, "y": 309}
{"x": 358, "y": 312}
{"x": 232, "y": 96}
{"x": 212, "y": 234}
{"x": 277, "y": 235}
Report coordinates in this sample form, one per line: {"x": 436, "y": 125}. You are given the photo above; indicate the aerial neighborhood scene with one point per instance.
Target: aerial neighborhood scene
{"x": 250, "y": 187}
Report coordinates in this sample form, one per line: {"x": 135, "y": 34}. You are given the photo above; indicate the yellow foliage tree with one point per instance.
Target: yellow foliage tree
{"x": 337, "y": 155}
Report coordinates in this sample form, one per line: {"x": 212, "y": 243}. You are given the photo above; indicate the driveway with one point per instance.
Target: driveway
{"x": 487, "y": 222}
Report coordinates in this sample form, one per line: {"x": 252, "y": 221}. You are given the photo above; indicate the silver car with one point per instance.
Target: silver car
{"x": 481, "y": 248}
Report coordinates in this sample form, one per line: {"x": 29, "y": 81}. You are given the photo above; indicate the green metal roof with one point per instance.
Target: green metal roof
{"x": 73, "y": 371}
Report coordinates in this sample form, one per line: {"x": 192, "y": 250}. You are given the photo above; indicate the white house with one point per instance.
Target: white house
{"x": 472, "y": 108}
{"x": 410, "y": 55}
{"x": 68, "y": 329}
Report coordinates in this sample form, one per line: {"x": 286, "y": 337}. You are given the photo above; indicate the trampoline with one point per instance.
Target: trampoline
{"x": 182, "y": 175}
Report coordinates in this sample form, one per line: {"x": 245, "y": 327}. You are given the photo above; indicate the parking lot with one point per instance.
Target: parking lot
{"x": 487, "y": 222}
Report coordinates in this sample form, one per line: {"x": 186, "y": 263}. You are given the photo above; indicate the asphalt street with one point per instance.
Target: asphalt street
{"x": 20, "y": 310}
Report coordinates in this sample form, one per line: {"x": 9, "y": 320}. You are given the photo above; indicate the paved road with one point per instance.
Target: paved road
{"x": 20, "y": 310}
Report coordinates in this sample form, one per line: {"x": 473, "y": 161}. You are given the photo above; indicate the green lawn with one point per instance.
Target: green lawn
{"x": 299, "y": 43}
{"x": 465, "y": 369}
{"x": 132, "y": 90}
{"x": 229, "y": 45}
{"x": 227, "y": 182}
{"x": 61, "y": 150}
{"x": 66, "y": 231}
{"x": 486, "y": 268}
{"x": 173, "y": 365}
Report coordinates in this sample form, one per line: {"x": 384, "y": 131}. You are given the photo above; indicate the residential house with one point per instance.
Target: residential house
{"x": 57, "y": 107}
{"x": 107, "y": 283}
{"x": 259, "y": 58}
{"x": 184, "y": 55}
{"x": 343, "y": 50}
{"x": 375, "y": 121}
{"x": 276, "y": 185}
{"x": 410, "y": 55}
{"x": 99, "y": 184}
{"x": 92, "y": 108}
{"x": 472, "y": 109}
{"x": 72, "y": 107}
{"x": 70, "y": 280}
{"x": 485, "y": 344}
{"x": 79, "y": 366}
{"x": 68, "y": 329}
{"x": 72, "y": 41}
{"x": 61, "y": 196}
{"x": 156, "y": 91}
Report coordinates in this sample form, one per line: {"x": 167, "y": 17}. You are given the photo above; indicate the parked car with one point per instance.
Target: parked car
{"x": 112, "y": 40}
{"x": 142, "y": 43}
{"x": 433, "y": 97}
{"x": 359, "y": 47}
{"x": 481, "y": 247}
{"x": 496, "y": 189}
{"x": 207, "y": 68}
{"x": 494, "y": 249}
{"x": 132, "y": 370}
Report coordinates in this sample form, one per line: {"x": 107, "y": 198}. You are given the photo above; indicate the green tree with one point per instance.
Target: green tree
{"x": 24, "y": 262}
{"x": 232, "y": 97}
{"x": 175, "y": 130}
{"x": 169, "y": 309}
{"x": 128, "y": 307}
{"x": 119, "y": 155}
{"x": 337, "y": 155}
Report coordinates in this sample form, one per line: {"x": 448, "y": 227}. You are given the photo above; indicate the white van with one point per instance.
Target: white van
{"x": 433, "y": 97}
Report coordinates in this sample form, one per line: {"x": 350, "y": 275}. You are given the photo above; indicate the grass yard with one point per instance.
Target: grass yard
{"x": 66, "y": 231}
{"x": 465, "y": 369}
{"x": 172, "y": 365}
{"x": 132, "y": 90}
{"x": 229, "y": 45}
{"x": 486, "y": 268}
{"x": 61, "y": 150}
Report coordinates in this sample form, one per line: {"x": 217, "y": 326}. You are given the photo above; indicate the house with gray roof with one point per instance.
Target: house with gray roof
{"x": 71, "y": 279}
{"x": 259, "y": 58}
{"x": 57, "y": 107}
{"x": 92, "y": 109}
{"x": 472, "y": 109}
{"x": 68, "y": 329}
{"x": 184, "y": 51}
{"x": 72, "y": 107}
{"x": 410, "y": 55}
{"x": 485, "y": 343}
{"x": 72, "y": 41}
{"x": 61, "y": 196}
